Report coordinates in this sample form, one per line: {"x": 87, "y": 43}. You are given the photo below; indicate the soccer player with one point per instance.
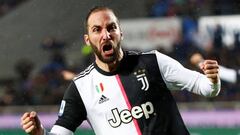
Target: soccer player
{"x": 125, "y": 92}
{"x": 227, "y": 74}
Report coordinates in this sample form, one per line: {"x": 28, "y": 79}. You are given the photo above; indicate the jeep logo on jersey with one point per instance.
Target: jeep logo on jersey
{"x": 126, "y": 116}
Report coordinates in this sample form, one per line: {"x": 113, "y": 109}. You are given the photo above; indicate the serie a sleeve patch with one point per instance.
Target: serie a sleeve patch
{"x": 61, "y": 110}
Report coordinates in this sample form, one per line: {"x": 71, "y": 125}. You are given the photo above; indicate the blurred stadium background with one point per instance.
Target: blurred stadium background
{"x": 39, "y": 39}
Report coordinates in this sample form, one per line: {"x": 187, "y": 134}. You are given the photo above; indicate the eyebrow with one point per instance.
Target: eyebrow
{"x": 95, "y": 26}
{"x": 112, "y": 23}
{"x": 98, "y": 26}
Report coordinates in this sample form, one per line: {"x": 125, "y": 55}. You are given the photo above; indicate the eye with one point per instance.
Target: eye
{"x": 96, "y": 29}
{"x": 112, "y": 27}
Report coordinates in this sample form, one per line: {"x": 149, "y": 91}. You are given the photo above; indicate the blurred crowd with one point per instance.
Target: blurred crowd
{"x": 192, "y": 42}
{"x": 195, "y": 8}
{"x": 47, "y": 86}
{"x": 8, "y": 5}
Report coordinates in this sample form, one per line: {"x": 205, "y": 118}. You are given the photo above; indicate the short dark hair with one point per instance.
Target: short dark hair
{"x": 96, "y": 9}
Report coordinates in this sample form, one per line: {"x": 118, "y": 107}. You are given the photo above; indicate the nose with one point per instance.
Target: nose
{"x": 105, "y": 35}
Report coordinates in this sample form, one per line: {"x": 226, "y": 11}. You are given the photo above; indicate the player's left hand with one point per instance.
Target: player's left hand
{"x": 210, "y": 69}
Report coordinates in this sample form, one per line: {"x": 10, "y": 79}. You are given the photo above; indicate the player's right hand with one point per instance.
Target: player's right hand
{"x": 31, "y": 124}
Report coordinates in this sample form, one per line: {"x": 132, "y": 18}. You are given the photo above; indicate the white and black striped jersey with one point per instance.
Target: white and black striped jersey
{"x": 133, "y": 100}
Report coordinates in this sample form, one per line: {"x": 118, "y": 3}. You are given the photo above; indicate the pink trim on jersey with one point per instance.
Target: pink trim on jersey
{"x": 128, "y": 103}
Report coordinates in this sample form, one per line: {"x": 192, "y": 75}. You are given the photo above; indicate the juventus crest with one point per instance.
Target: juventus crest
{"x": 141, "y": 77}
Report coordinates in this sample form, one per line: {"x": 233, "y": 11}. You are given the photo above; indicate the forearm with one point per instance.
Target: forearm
{"x": 205, "y": 87}
{"x": 194, "y": 82}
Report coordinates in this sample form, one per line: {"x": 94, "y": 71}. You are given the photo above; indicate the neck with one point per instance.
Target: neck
{"x": 110, "y": 67}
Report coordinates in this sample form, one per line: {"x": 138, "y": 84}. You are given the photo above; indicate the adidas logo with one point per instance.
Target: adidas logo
{"x": 103, "y": 99}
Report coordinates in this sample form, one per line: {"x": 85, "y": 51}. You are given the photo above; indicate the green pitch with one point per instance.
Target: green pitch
{"x": 193, "y": 131}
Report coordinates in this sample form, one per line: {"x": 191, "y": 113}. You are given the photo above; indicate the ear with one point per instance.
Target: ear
{"x": 121, "y": 35}
{"x": 86, "y": 39}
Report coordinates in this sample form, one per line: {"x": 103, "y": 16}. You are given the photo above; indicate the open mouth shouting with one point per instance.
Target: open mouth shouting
{"x": 107, "y": 50}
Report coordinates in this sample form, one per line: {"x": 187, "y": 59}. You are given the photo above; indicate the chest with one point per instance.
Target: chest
{"x": 130, "y": 88}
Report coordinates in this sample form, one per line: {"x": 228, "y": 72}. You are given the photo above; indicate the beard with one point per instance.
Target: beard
{"x": 109, "y": 59}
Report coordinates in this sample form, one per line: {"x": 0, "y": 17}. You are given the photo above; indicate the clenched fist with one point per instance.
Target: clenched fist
{"x": 31, "y": 124}
{"x": 209, "y": 67}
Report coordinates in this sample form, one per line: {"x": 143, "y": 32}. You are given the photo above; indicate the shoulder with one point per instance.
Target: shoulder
{"x": 153, "y": 53}
{"x": 139, "y": 53}
{"x": 165, "y": 62}
{"x": 84, "y": 73}
{"x": 163, "y": 59}
{"x": 132, "y": 53}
